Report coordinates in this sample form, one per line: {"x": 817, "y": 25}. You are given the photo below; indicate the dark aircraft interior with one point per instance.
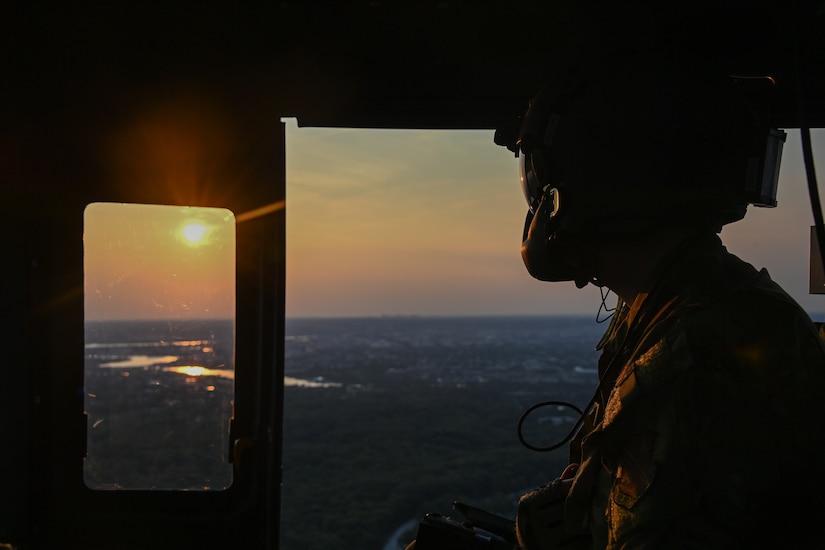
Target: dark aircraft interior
{"x": 76, "y": 74}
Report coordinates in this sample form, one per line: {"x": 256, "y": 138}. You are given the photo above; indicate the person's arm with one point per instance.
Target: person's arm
{"x": 540, "y": 521}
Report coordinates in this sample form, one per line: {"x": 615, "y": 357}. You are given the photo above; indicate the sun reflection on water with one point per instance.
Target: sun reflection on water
{"x": 196, "y": 371}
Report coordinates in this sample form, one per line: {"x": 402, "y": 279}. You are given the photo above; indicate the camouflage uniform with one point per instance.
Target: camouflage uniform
{"x": 709, "y": 430}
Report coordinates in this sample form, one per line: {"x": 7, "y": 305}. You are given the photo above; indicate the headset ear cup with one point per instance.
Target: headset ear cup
{"x": 549, "y": 259}
{"x": 528, "y": 221}
{"x": 534, "y": 245}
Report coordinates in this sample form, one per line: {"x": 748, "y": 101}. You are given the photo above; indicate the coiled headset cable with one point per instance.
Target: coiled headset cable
{"x": 614, "y": 320}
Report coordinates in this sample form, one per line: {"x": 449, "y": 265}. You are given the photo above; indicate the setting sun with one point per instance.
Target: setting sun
{"x": 194, "y": 232}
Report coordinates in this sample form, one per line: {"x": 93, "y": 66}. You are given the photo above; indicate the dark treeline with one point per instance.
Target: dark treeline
{"x": 154, "y": 430}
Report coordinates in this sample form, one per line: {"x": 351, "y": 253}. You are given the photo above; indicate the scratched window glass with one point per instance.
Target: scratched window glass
{"x": 159, "y": 298}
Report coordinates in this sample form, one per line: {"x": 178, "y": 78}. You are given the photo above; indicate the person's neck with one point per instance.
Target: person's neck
{"x": 626, "y": 266}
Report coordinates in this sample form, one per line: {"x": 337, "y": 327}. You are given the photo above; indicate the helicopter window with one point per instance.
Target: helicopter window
{"x": 159, "y": 346}
{"x": 415, "y": 338}
{"x": 411, "y": 329}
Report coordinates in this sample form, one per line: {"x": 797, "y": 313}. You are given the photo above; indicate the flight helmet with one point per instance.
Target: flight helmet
{"x": 622, "y": 146}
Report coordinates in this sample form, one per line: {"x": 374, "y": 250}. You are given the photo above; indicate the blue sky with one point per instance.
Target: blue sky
{"x": 403, "y": 222}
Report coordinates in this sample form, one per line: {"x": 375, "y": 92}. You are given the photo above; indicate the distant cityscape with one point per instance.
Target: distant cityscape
{"x": 445, "y": 350}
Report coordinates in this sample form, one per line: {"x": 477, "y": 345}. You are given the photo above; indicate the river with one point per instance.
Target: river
{"x": 400, "y": 537}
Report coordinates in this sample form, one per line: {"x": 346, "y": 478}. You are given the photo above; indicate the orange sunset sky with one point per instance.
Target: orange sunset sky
{"x": 152, "y": 262}
{"x": 406, "y": 222}
{"x": 392, "y": 222}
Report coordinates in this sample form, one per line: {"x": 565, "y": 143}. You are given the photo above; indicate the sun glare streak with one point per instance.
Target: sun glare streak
{"x": 262, "y": 211}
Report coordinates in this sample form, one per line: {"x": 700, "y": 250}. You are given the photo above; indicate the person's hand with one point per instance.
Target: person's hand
{"x": 540, "y": 520}
{"x": 410, "y": 546}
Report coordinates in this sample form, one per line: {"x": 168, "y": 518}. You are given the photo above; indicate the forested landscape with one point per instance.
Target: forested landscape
{"x": 158, "y": 402}
{"x": 384, "y": 419}
{"x": 358, "y": 464}
{"x": 426, "y": 414}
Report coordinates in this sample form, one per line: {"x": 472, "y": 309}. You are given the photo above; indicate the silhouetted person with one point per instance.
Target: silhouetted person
{"x": 707, "y": 425}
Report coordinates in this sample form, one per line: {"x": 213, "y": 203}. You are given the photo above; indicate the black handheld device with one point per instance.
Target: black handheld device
{"x": 479, "y": 530}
